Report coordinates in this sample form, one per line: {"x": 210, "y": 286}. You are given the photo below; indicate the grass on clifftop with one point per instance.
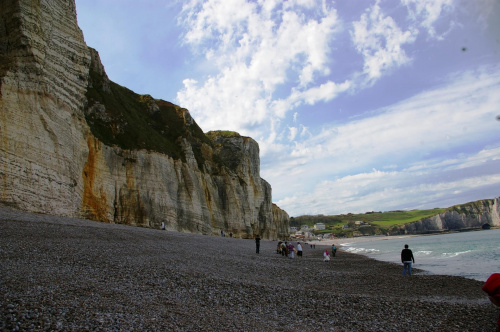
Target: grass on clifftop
{"x": 389, "y": 218}
{"x": 374, "y": 222}
{"x": 132, "y": 121}
{"x": 222, "y": 133}
{"x": 394, "y": 218}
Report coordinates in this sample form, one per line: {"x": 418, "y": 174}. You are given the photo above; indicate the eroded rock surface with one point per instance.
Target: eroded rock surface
{"x": 460, "y": 217}
{"x": 73, "y": 143}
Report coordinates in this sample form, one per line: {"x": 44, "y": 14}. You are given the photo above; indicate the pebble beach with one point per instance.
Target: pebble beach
{"x": 67, "y": 274}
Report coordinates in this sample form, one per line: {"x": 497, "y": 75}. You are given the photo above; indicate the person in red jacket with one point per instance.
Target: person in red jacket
{"x": 492, "y": 288}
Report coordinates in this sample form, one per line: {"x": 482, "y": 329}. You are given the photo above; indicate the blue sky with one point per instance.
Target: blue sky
{"x": 357, "y": 106}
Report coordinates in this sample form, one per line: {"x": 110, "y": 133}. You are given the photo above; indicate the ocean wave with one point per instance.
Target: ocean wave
{"x": 361, "y": 250}
{"x": 454, "y": 254}
{"x": 423, "y": 252}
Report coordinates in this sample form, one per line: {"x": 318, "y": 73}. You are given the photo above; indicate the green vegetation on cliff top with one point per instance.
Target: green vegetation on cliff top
{"x": 373, "y": 223}
{"x": 222, "y": 133}
{"x": 381, "y": 219}
{"x": 118, "y": 116}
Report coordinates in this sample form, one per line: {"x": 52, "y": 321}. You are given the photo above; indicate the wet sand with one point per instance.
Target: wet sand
{"x": 68, "y": 274}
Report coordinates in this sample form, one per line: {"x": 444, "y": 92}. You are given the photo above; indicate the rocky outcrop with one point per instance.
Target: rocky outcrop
{"x": 458, "y": 218}
{"x": 74, "y": 143}
{"x": 282, "y": 222}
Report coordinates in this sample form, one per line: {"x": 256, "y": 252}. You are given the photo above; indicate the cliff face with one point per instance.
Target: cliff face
{"x": 43, "y": 78}
{"x": 282, "y": 222}
{"x": 460, "y": 217}
{"x": 74, "y": 143}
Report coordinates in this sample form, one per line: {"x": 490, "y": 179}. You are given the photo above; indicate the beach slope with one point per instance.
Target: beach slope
{"x": 69, "y": 274}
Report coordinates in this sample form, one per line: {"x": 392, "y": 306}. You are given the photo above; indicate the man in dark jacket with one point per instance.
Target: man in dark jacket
{"x": 406, "y": 259}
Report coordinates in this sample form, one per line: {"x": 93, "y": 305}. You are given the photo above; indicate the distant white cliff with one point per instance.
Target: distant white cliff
{"x": 468, "y": 216}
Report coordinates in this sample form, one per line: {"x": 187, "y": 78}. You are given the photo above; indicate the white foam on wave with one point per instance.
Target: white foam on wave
{"x": 454, "y": 254}
{"x": 423, "y": 252}
{"x": 362, "y": 250}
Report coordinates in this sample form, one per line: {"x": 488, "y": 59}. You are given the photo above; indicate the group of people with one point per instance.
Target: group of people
{"x": 287, "y": 249}
{"x": 223, "y": 234}
{"x": 326, "y": 254}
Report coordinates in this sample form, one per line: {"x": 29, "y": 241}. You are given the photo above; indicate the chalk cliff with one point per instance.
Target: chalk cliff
{"x": 74, "y": 143}
{"x": 458, "y": 218}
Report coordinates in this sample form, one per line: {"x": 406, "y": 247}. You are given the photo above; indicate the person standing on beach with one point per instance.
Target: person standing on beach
{"x": 257, "y": 244}
{"x": 406, "y": 259}
{"x": 492, "y": 288}
{"x": 285, "y": 249}
{"x": 326, "y": 256}
{"x": 334, "y": 250}
{"x": 291, "y": 250}
{"x": 299, "y": 249}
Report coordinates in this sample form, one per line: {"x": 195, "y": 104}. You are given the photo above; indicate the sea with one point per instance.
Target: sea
{"x": 473, "y": 255}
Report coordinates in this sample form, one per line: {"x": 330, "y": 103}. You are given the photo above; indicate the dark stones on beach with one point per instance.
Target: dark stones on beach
{"x": 66, "y": 274}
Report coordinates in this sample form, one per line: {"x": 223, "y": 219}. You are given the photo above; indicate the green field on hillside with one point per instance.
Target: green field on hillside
{"x": 392, "y": 218}
{"x": 387, "y": 219}
{"x": 374, "y": 222}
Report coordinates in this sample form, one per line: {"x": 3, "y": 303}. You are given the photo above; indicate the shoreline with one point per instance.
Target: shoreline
{"x": 430, "y": 254}
{"x": 359, "y": 239}
{"x": 72, "y": 274}
{"x": 371, "y": 238}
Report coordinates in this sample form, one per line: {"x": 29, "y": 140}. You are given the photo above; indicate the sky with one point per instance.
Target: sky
{"x": 357, "y": 105}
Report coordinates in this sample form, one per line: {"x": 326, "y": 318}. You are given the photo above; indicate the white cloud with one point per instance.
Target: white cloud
{"x": 256, "y": 48}
{"x": 384, "y": 191}
{"x": 324, "y": 92}
{"x": 304, "y": 132}
{"x": 432, "y": 121}
{"x": 482, "y": 157}
{"x": 303, "y": 3}
{"x": 293, "y": 133}
{"x": 379, "y": 39}
{"x": 216, "y": 17}
{"x": 418, "y": 135}
{"x": 427, "y": 12}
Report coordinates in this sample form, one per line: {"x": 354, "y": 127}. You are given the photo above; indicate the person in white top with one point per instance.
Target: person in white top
{"x": 299, "y": 249}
